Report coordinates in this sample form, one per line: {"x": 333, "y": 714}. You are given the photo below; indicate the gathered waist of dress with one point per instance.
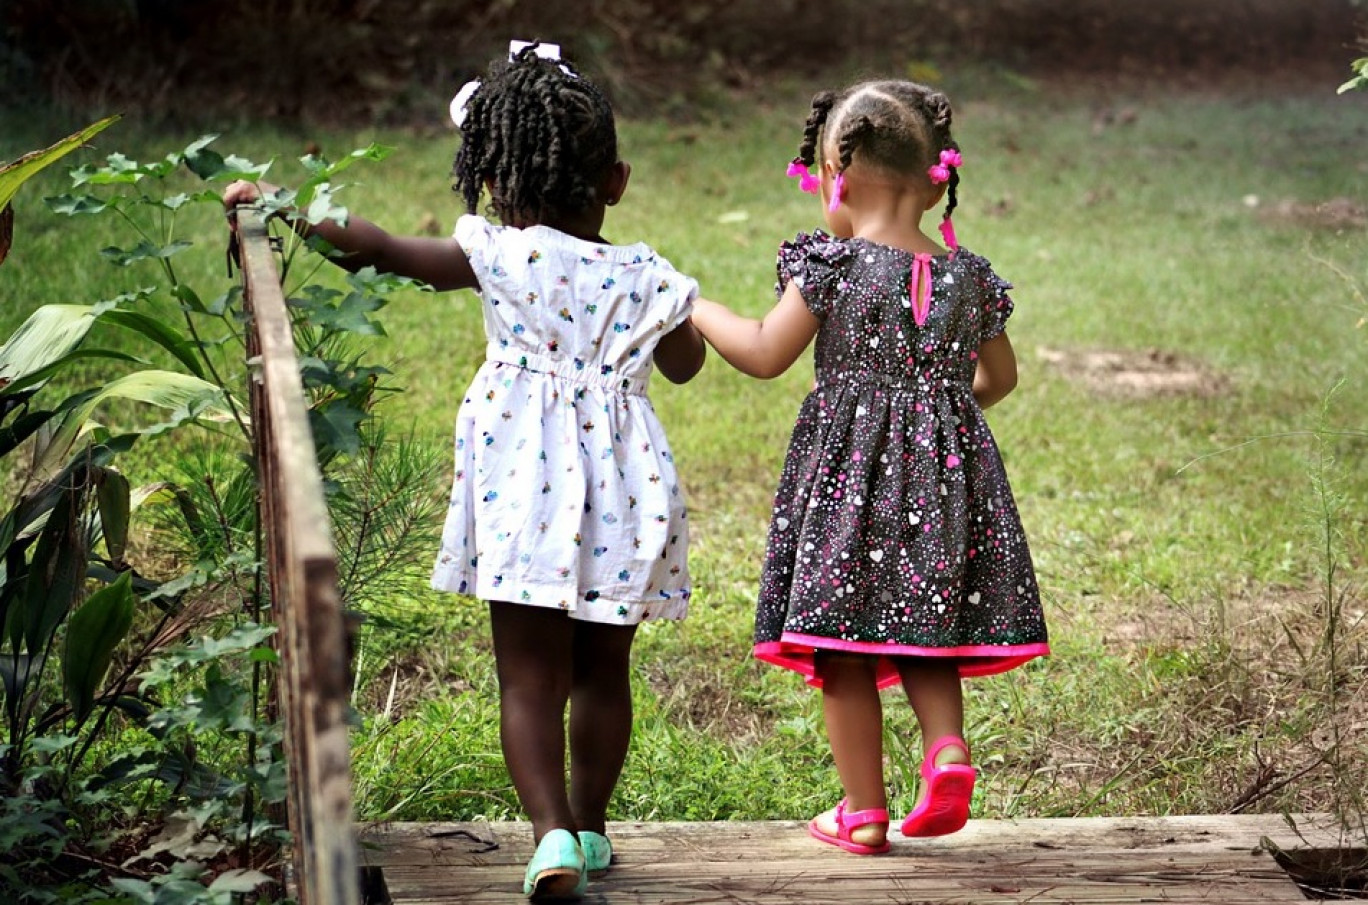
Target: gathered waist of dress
{"x": 918, "y": 381}
{"x": 572, "y": 370}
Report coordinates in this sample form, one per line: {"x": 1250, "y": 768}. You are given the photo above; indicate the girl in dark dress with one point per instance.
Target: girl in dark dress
{"x": 895, "y": 551}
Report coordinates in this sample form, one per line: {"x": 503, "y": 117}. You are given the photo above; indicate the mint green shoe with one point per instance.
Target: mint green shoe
{"x": 557, "y": 869}
{"x": 598, "y": 852}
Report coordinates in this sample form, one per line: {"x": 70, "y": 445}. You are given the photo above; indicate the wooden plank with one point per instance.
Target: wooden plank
{"x": 510, "y": 842}
{"x": 1218, "y": 859}
{"x": 898, "y": 877}
{"x": 302, "y": 566}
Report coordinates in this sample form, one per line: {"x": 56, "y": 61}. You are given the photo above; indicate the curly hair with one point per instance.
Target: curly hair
{"x": 897, "y": 126}
{"x": 539, "y": 135}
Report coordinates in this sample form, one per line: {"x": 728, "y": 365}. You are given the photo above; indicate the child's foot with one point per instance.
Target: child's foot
{"x": 598, "y": 852}
{"x": 557, "y": 869}
{"x": 947, "y": 787}
{"x": 859, "y": 832}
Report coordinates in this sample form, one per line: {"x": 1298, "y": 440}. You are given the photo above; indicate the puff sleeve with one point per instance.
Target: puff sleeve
{"x": 816, "y": 265}
{"x": 995, "y": 304}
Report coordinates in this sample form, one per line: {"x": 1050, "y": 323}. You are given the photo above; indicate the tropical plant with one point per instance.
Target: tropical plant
{"x": 15, "y": 174}
{"x": 140, "y": 747}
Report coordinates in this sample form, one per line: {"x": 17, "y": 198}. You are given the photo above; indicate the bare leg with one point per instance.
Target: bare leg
{"x": 600, "y": 718}
{"x": 935, "y": 692}
{"x": 854, "y": 724}
{"x": 533, "y": 654}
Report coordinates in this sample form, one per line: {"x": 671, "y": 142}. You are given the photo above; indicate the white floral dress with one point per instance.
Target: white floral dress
{"x": 565, "y": 493}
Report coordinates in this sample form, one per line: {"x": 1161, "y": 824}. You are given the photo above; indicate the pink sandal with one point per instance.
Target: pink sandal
{"x": 944, "y": 807}
{"x": 845, "y": 823}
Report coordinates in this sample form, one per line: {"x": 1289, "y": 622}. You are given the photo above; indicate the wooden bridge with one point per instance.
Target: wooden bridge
{"x": 1219, "y": 859}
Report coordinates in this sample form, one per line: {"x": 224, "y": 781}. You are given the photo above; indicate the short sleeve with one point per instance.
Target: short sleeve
{"x": 675, "y": 294}
{"x": 816, "y": 264}
{"x": 995, "y": 304}
{"x": 476, "y": 236}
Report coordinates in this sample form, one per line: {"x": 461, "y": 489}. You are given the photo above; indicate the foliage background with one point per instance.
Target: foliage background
{"x": 364, "y": 60}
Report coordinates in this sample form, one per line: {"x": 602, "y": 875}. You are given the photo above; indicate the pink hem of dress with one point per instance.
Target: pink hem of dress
{"x": 795, "y": 652}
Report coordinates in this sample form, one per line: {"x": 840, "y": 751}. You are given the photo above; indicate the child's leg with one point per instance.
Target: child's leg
{"x": 533, "y": 654}
{"x": 600, "y": 717}
{"x": 935, "y": 692}
{"x": 854, "y": 724}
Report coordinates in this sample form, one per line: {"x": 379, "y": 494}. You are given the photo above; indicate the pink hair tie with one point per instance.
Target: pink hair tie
{"x": 940, "y": 171}
{"x": 947, "y": 231}
{"x": 837, "y": 187}
{"x": 806, "y": 181}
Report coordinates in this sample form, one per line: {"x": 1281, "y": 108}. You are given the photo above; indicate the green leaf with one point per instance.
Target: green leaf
{"x": 76, "y": 205}
{"x": 56, "y": 570}
{"x": 210, "y": 165}
{"x": 351, "y": 315}
{"x": 144, "y": 250}
{"x": 93, "y": 633}
{"x": 42, "y": 375}
{"x": 114, "y": 497}
{"x": 15, "y": 174}
{"x": 185, "y": 395}
{"x": 335, "y": 428}
{"x": 49, "y": 333}
{"x": 179, "y": 345}
{"x": 202, "y": 160}
{"x": 321, "y": 207}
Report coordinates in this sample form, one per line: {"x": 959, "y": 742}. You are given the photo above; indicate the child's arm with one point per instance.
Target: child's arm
{"x": 439, "y": 262}
{"x": 997, "y": 371}
{"x": 679, "y": 354}
{"x": 761, "y": 348}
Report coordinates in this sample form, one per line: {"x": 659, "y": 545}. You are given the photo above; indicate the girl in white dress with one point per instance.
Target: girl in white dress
{"x": 566, "y": 513}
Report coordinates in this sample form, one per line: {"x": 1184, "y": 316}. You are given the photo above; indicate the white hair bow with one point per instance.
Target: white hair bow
{"x": 461, "y": 101}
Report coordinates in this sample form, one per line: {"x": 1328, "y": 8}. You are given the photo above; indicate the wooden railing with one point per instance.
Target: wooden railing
{"x": 305, "y": 605}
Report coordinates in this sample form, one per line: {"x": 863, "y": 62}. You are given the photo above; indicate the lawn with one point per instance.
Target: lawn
{"x": 1186, "y": 445}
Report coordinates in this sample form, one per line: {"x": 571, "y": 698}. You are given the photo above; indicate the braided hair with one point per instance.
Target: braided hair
{"x": 539, "y": 135}
{"x": 896, "y": 126}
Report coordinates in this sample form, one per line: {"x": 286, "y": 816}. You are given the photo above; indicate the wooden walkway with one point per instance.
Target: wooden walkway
{"x": 1216, "y": 859}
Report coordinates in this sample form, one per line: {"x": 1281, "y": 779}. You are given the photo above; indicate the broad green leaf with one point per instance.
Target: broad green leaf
{"x": 15, "y": 174}
{"x": 182, "y": 347}
{"x": 93, "y": 632}
{"x": 203, "y": 160}
{"x": 39, "y": 377}
{"x": 49, "y": 333}
{"x": 55, "y": 571}
{"x": 16, "y": 671}
{"x": 116, "y": 506}
{"x": 17, "y": 432}
{"x": 185, "y": 394}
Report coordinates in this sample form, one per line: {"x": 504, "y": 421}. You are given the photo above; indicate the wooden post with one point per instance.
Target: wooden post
{"x": 305, "y": 604}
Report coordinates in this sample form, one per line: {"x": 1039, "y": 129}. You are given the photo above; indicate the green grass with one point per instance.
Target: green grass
{"x": 1181, "y": 563}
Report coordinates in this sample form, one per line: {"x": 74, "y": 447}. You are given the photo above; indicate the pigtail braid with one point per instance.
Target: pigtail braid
{"x": 939, "y": 116}
{"x": 822, "y": 102}
{"x": 853, "y": 135}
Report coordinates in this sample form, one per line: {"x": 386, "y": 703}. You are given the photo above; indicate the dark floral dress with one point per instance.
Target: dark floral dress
{"x": 894, "y": 530}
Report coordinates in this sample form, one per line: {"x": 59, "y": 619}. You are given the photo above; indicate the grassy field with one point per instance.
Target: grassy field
{"x": 1187, "y": 447}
